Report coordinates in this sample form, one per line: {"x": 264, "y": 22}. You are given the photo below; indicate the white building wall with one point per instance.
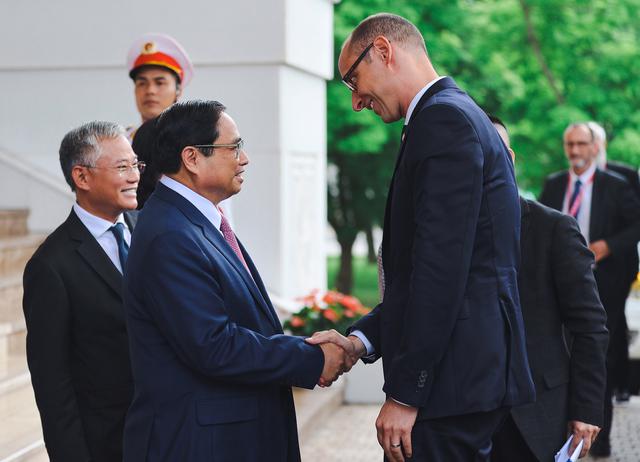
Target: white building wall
{"x": 62, "y": 64}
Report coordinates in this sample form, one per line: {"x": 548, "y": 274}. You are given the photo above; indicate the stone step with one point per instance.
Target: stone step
{"x": 313, "y": 406}
{"x": 13, "y": 338}
{"x": 14, "y": 373}
{"x": 11, "y": 299}
{"x": 13, "y": 222}
{"x": 34, "y": 452}
{"x": 15, "y": 251}
{"x": 21, "y": 431}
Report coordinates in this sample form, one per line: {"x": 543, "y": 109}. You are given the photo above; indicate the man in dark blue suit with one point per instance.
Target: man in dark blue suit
{"x": 212, "y": 369}
{"x": 449, "y": 328}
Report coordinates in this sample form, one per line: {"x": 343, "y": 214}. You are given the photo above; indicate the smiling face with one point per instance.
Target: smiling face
{"x": 156, "y": 89}
{"x": 372, "y": 80}
{"x": 104, "y": 191}
{"x": 220, "y": 175}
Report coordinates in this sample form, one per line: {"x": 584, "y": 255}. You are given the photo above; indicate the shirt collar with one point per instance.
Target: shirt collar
{"x": 586, "y": 175}
{"x": 204, "y": 205}
{"x": 97, "y": 226}
{"x": 414, "y": 101}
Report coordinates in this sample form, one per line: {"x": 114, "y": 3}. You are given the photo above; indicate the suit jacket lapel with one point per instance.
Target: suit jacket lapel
{"x": 560, "y": 192}
{"x": 217, "y": 240}
{"x": 597, "y": 204}
{"x": 440, "y": 85}
{"x": 262, "y": 289}
{"x": 93, "y": 254}
{"x": 524, "y": 225}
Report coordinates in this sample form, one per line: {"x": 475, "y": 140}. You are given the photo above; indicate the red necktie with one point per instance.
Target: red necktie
{"x": 227, "y": 232}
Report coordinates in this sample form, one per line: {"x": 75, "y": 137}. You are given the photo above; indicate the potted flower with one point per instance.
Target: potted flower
{"x": 324, "y": 311}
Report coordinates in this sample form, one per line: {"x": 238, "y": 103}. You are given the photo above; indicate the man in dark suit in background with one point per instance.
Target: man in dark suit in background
{"x": 608, "y": 213}
{"x": 449, "y": 328}
{"x": 557, "y": 289}
{"x": 77, "y": 346}
{"x": 620, "y": 345}
{"x": 212, "y": 369}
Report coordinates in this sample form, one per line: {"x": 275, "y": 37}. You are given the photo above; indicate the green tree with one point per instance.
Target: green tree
{"x": 537, "y": 64}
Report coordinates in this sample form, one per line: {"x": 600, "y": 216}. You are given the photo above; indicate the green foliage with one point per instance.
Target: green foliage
{"x": 497, "y": 50}
{"x": 536, "y": 64}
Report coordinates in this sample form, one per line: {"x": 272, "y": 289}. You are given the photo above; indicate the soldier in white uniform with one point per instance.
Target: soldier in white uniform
{"x": 160, "y": 68}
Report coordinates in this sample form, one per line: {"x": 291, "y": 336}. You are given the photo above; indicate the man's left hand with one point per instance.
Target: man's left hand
{"x": 582, "y": 431}
{"x": 394, "y": 425}
{"x": 600, "y": 249}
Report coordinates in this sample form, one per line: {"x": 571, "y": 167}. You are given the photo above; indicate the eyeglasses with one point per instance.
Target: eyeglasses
{"x": 580, "y": 144}
{"x": 123, "y": 169}
{"x": 239, "y": 146}
{"x": 347, "y": 77}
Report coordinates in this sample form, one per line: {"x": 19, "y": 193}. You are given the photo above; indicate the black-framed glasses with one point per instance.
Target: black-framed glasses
{"x": 123, "y": 169}
{"x": 347, "y": 77}
{"x": 239, "y": 146}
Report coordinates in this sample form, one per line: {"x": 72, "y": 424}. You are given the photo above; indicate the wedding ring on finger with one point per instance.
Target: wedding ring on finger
{"x": 395, "y": 445}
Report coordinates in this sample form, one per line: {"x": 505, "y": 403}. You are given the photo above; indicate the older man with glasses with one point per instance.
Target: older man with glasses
{"x": 77, "y": 346}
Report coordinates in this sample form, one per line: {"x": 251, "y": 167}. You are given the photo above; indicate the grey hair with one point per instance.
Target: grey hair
{"x": 81, "y": 146}
{"x": 601, "y": 135}
{"x": 395, "y": 28}
{"x": 579, "y": 125}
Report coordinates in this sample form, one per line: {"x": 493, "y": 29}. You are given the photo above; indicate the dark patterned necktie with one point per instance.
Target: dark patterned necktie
{"x": 123, "y": 247}
{"x": 574, "y": 196}
{"x": 227, "y": 232}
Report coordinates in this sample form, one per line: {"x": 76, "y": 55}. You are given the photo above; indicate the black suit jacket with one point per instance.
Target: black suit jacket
{"x": 631, "y": 175}
{"x": 615, "y": 217}
{"x": 449, "y": 328}
{"x": 77, "y": 346}
{"x": 557, "y": 289}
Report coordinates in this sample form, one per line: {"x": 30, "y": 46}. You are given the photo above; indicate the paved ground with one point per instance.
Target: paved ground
{"x": 349, "y": 435}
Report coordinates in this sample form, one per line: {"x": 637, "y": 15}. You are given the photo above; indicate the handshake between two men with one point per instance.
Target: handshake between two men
{"x": 340, "y": 354}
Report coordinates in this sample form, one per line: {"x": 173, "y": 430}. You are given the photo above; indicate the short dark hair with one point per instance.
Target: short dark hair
{"x": 134, "y": 72}
{"x": 145, "y": 146}
{"x": 497, "y": 121}
{"x": 393, "y": 27}
{"x": 81, "y": 146}
{"x": 185, "y": 124}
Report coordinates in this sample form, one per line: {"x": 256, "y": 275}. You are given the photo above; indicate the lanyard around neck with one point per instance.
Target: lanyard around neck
{"x": 576, "y": 204}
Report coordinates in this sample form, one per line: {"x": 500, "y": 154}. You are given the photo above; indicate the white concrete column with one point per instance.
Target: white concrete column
{"x": 62, "y": 64}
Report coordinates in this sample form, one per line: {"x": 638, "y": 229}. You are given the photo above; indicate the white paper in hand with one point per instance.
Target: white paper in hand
{"x": 563, "y": 453}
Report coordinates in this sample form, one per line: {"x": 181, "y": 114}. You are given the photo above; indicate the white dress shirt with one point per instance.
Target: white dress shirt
{"x": 204, "y": 205}
{"x": 100, "y": 230}
{"x": 416, "y": 99}
{"x": 584, "y": 214}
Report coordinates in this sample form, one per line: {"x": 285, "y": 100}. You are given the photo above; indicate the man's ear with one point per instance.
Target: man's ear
{"x": 178, "y": 91}
{"x": 382, "y": 48}
{"x": 190, "y": 159}
{"x": 80, "y": 176}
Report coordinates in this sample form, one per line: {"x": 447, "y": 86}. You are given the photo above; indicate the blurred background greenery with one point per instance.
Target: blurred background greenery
{"x": 536, "y": 64}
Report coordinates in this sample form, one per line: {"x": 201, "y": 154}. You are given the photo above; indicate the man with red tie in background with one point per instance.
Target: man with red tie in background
{"x": 608, "y": 214}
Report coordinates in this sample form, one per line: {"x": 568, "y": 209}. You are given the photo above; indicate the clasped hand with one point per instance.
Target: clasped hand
{"x": 340, "y": 354}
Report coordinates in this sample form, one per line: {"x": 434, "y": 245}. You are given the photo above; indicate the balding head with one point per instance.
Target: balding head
{"x": 395, "y": 28}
